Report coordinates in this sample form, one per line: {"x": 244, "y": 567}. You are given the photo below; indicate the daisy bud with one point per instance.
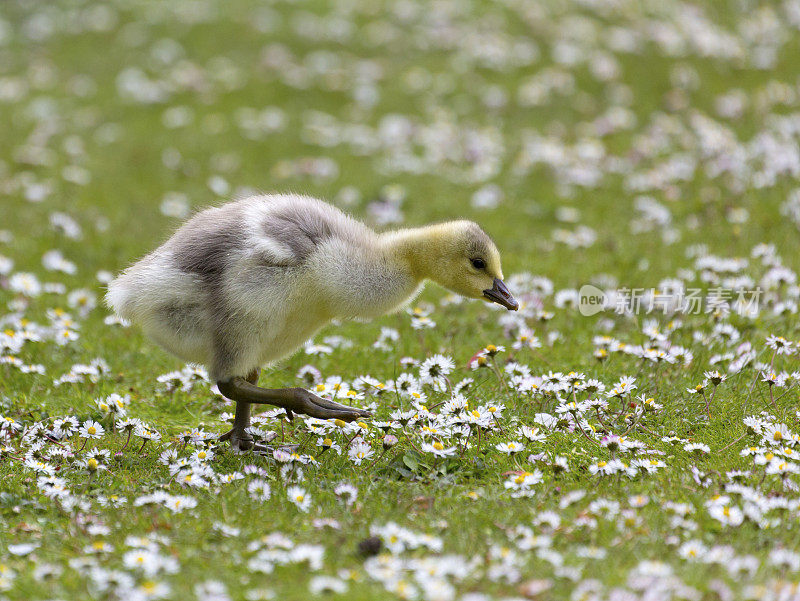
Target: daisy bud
{"x": 389, "y": 441}
{"x": 611, "y": 442}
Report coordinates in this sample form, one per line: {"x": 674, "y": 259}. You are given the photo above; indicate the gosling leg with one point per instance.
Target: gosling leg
{"x": 297, "y": 400}
{"x": 238, "y": 436}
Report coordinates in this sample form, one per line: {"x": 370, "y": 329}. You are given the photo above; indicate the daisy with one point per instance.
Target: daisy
{"x": 229, "y": 478}
{"x": 202, "y": 455}
{"x": 309, "y": 374}
{"x": 771, "y": 378}
{"x": 65, "y": 336}
{"x": 359, "y": 450}
{"x": 696, "y": 447}
{"x": 479, "y": 418}
{"x": 436, "y": 368}
{"x": 780, "y": 345}
{"x": 149, "y": 589}
{"x": 422, "y": 323}
{"x": 763, "y": 458}
{"x": 462, "y": 386}
{"x": 259, "y": 490}
{"x": 98, "y": 547}
{"x": 9, "y": 424}
{"x": 571, "y": 407}
{"x": 174, "y": 380}
{"x": 327, "y": 584}
{"x": 559, "y": 464}
{"x": 526, "y": 338}
{"x": 25, "y": 283}
{"x": 611, "y": 441}
{"x": 317, "y": 349}
{"x": 103, "y": 454}
{"x": 781, "y": 468}
{"x": 145, "y": 560}
{"x": 737, "y": 475}
{"x": 176, "y": 503}
{"x": 387, "y": 336}
{"x": 419, "y": 398}
{"x": 128, "y": 425}
{"x": 91, "y": 465}
{"x": 776, "y": 433}
{"x": 91, "y": 429}
{"x": 523, "y": 480}
{"x": 602, "y": 467}
{"x": 693, "y": 550}
{"x": 647, "y": 465}
{"x": 532, "y": 434}
{"x": 510, "y": 448}
{"x": 346, "y": 492}
{"x": 193, "y": 479}
{"x": 455, "y": 405}
{"x": 699, "y": 389}
{"x": 146, "y": 432}
{"x": 408, "y": 362}
{"x": 515, "y": 369}
{"x": 328, "y": 443}
{"x": 370, "y": 385}
{"x": 299, "y": 497}
{"x": 83, "y": 300}
{"x": 39, "y": 466}
{"x": 404, "y": 417}
{"x": 649, "y": 403}
{"x": 727, "y": 515}
{"x": 438, "y": 449}
{"x": 113, "y": 404}
{"x": 490, "y": 350}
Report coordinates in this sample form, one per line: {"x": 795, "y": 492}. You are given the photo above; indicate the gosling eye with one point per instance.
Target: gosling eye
{"x": 478, "y": 263}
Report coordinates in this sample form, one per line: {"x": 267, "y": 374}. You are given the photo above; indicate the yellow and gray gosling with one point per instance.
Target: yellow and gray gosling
{"x": 240, "y": 286}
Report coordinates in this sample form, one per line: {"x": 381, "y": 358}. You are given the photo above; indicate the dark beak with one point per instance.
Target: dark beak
{"x": 500, "y": 294}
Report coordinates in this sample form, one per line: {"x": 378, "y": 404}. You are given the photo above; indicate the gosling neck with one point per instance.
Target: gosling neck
{"x": 413, "y": 248}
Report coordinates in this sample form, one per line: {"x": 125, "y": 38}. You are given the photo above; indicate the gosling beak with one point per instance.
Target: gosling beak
{"x": 500, "y": 294}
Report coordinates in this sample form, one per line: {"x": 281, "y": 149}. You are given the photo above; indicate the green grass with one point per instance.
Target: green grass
{"x": 460, "y": 500}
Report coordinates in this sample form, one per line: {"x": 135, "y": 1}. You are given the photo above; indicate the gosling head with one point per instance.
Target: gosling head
{"x": 461, "y": 257}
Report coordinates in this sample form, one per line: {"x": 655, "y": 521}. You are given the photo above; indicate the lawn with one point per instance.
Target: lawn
{"x": 650, "y": 450}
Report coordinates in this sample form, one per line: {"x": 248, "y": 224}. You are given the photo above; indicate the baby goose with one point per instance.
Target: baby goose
{"x": 245, "y": 284}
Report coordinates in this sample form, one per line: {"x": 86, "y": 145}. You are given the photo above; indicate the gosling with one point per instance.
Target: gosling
{"x": 240, "y": 286}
